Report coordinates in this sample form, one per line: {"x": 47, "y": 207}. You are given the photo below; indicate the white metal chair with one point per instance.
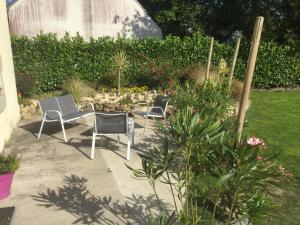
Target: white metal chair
{"x": 157, "y": 110}
{"x": 60, "y": 109}
{"x": 111, "y": 123}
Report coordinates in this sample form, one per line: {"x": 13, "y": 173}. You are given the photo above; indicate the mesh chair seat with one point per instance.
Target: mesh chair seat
{"x": 67, "y": 105}
{"x": 155, "y": 114}
{"x": 113, "y": 123}
{"x": 68, "y": 117}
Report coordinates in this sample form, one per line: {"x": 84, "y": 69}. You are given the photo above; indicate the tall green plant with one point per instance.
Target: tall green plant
{"x": 172, "y": 161}
{"x": 210, "y": 178}
{"x": 121, "y": 64}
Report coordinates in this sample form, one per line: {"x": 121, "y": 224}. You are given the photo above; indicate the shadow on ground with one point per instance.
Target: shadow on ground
{"x": 75, "y": 198}
{"x": 48, "y": 129}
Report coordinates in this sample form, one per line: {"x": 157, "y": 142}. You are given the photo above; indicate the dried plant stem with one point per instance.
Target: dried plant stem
{"x": 173, "y": 195}
{"x": 215, "y": 207}
{"x": 156, "y": 195}
{"x": 231, "y": 208}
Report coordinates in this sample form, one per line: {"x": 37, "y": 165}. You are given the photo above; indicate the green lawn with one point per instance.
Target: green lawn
{"x": 275, "y": 117}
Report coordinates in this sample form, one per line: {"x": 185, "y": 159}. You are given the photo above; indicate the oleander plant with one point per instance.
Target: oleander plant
{"x": 213, "y": 178}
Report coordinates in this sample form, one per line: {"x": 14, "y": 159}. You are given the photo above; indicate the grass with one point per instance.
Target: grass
{"x": 275, "y": 117}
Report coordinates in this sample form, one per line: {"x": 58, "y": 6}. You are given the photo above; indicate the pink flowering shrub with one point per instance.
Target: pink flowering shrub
{"x": 251, "y": 175}
{"x": 253, "y": 141}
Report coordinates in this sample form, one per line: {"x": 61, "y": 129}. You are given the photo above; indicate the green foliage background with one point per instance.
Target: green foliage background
{"x": 51, "y": 61}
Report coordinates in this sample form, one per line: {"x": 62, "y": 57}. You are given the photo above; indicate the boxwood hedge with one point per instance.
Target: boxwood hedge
{"x": 51, "y": 61}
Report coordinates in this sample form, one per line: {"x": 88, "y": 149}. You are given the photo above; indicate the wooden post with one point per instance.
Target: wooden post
{"x": 236, "y": 51}
{"x": 249, "y": 75}
{"x": 209, "y": 59}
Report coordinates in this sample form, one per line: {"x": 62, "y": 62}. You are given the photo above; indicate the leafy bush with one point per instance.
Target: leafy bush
{"x": 26, "y": 85}
{"x": 51, "y": 61}
{"x": 9, "y": 163}
{"x": 211, "y": 99}
{"x": 214, "y": 179}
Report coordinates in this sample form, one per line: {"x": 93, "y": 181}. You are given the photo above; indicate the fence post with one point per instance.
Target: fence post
{"x": 236, "y": 51}
{"x": 209, "y": 59}
{"x": 249, "y": 75}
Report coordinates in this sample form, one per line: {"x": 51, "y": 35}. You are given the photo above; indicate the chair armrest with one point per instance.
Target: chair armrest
{"x": 141, "y": 103}
{"x": 56, "y": 111}
{"x": 156, "y": 107}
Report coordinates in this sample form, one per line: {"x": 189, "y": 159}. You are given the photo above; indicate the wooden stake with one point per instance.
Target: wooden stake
{"x": 236, "y": 51}
{"x": 209, "y": 59}
{"x": 249, "y": 75}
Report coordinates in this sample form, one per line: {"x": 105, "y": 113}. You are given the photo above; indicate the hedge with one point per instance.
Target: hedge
{"x": 52, "y": 61}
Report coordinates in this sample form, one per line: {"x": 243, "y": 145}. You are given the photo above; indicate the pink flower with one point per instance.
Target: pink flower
{"x": 253, "y": 141}
{"x": 259, "y": 158}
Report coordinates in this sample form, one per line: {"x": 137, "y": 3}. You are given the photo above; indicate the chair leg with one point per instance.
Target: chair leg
{"x": 101, "y": 140}
{"x": 41, "y": 128}
{"x": 132, "y": 138}
{"x": 93, "y": 146}
{"x": 63, "y": 130}
{"x": 128, "y": 149}
{"x": 118, "y": 136}
{"x": 146, "y": 121}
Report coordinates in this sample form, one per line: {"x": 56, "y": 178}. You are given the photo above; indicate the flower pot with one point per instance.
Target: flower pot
{"x": 5, "y": 184}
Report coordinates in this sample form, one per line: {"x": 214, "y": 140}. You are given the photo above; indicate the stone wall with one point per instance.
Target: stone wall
{"x": 107, "y": 102}
{"x": 10, "y": 114}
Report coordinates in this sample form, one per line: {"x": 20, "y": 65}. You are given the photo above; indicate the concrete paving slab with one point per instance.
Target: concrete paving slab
{"x": 57, "y": 182}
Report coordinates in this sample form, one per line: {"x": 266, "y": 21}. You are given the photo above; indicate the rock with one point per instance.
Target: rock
{"x": 119, "y": 107}
{"x": 24, "y": 109}
{"x": 87, "y": 99}
{"x": 151, "y": 96}
{"x": 34, "y": 103}
{"x": 140, "y": 97}
{"x": 98, "y": 106}
{"x": 145, "y": 96}
{"x": 26, "y": 116}
{"x": 98, "y": 97}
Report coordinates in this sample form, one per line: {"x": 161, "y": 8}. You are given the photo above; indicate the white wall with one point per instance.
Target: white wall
{"x": 94, "y": 18}
{"x": 9, "y": 117}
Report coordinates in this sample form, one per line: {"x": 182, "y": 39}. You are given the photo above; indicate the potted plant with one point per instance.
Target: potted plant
{"x": 8, "y": 166}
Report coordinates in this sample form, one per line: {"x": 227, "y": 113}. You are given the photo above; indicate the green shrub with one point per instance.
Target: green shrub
{"x": 51, "y": 61}
{"x": 211, "y": 99}
{"x": 9, "y": 163}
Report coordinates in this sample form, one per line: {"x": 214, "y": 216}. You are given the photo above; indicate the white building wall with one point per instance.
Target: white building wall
{"x": 10, "y": 115}
{"x": 91, "y": 18}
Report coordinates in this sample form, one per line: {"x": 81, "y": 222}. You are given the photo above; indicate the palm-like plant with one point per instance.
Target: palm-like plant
{"x": 121, "y": 64}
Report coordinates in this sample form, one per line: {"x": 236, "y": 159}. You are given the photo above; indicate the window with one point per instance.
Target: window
{"x": 2, "y": 93}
